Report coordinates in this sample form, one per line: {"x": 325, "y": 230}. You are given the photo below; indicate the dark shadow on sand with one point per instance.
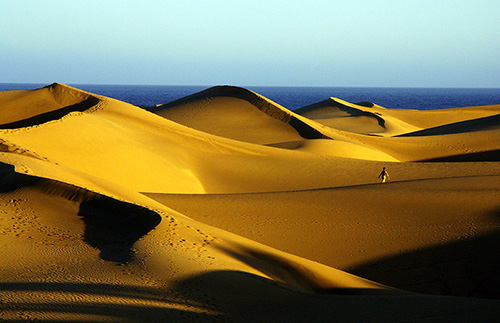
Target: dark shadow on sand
{"x": 295, "y": 276}
{"x": 465, "y": 268}
{"x": 351, "y": 111}
{"x": 114, "y": 302}
{"x": 113, "y": 226}
{"x": 301, "y": 127}
{"x": 245, "y": 297}
{"x": 52, "y": 115}
{"x": 365, "y": 104}
{"x": 490, "y": 155}
{"x": 479, "y": 124}
{"x": 11, "y": 181}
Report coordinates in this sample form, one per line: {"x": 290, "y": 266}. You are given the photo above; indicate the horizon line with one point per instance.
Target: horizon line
{"x": 268, "y": 86}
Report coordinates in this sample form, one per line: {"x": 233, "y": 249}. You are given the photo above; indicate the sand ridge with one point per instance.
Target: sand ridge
{"x": 240, "y": 114}
{"x": 227, "y": 206}
{"x": 361, "y": 119}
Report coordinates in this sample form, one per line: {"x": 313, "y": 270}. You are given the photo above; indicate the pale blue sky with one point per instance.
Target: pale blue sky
{"x": 387, "y": 43}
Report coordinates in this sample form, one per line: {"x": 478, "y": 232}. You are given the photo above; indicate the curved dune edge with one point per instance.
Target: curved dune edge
{"x": 406, "y": 120}
{"x": 34, "y": 107}
{"x": 67, "y": 240}
{"x": 436, "y": 221}
{"x": 335, "y": 148}
{"x": 76, "y": 230}
{"x": 362, "y": 119}
{"x": 263, "y": 104}
{"x": 171, "y": 268}
{"x": 296, "y": 272}
{"x": 170, "y": 157}
{"x": 411, "y": 135}
{"x": 364, "y": 127}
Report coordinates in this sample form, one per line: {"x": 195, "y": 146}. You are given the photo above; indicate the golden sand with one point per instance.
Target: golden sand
{"x": 227, "y": 206}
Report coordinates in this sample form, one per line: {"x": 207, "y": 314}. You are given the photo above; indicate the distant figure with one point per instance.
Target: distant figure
{"x": 384, "y": 175}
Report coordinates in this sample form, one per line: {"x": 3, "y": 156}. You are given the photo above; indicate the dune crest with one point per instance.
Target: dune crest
{"x": 227, "y": 206}
{"x": 244, "y": 115}
{"x": 232, "y": 108}
{"x": 34, "y": 107}
{"x": 361, "y": 118}
{"x": 468, "y": 133}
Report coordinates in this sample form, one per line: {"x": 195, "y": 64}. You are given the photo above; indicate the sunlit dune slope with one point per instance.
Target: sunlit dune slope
{"x": 342, "y": 115}
{"x": 460, "y": 134}
{"x": 125, "y": 144}
{"x": 346, "y": 227}
{"x": 361, "y": 131}
{"x": 64, "y": 246}
{"x": 439, "y": 117}
{"x": 239, "y": 114}
{"x": 31, "y": 107}
{"x": 119, "y": 142}
{"x": 369, "y": 118}
{"x": 68, "y": 247}
{"x": 466, "y": 126}
{"x": 122, "y": 143}
{"x": 111, "y": 227}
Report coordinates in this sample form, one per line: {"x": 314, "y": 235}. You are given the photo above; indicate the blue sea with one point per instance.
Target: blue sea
{"x": 297, "y": 97}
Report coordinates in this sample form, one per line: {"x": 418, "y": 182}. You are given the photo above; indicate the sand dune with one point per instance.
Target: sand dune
{"x": 407, "y": 120}
{"x": 467, "y": 133}
{"x": 41, "y": 105}
{"x": 474, "y": 125}
{"x": 239, "y": 114}
{"x": 364, "y": 119}
{"x": 227, "y": 206}
{"x": 336, "y": 227}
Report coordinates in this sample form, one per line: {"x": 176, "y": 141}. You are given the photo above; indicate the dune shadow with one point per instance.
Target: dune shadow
{"x": 304, "y": 130}
{"x": 349, "y": 110}
{"x": 365, "y": 104}
{"x": 464, "y": 268}
{"x": 11, "y": 181}
{"x": 102, "y": 301}
{"x": 113, "y": 226}
{"x": 479, "y": 124}
{"x": 245, "y": 297}
{"x": 294, "y": 276}
{"x": 225, "y": 296}
{"x": 51, "y": 115}
{"x": 489, "y": 155}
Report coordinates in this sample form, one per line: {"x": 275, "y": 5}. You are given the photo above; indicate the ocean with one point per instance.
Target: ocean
{"x": 296, "y": 97}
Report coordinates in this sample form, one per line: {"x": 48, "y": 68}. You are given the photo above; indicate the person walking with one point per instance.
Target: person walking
{"x": 384, "y": 175}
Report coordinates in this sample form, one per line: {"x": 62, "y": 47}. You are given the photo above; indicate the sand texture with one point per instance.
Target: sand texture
{"x": 225, "y": 206}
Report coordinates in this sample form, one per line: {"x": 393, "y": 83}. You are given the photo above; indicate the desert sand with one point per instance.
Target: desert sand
{"x": 226, "y": 206}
